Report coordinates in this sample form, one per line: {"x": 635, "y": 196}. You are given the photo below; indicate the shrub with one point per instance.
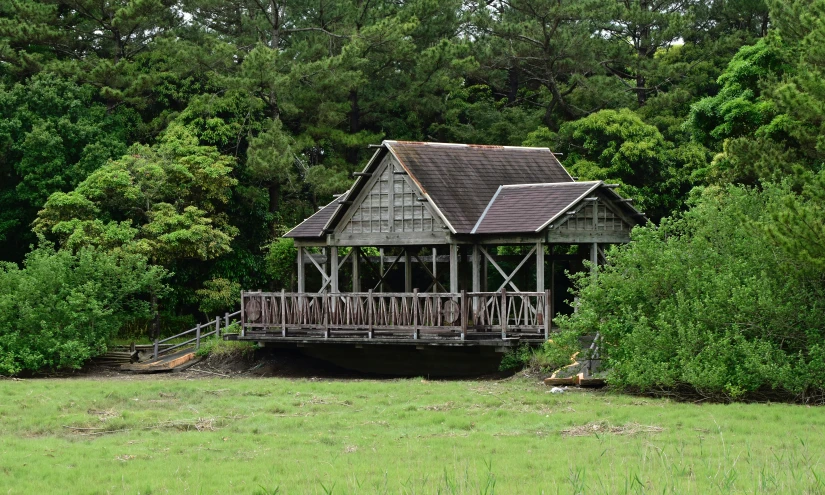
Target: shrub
{"x": 61, "y": 308}
{"x": 710, "y": 302}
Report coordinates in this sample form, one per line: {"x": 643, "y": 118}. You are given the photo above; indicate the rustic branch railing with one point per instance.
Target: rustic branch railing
{"x": 413, "y": 315}
{"x": 198, "y": 332}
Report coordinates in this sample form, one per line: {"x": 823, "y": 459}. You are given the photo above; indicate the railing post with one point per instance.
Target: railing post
{"x": 415, "y": 313}
{"x": 463, "y": 314}
{"x": 283, "y": 313}
{"x": 225, "y": 322}
{"x": 217, "y": 328}
{"x": 155, "y": 352}
{"x": 243, "y": 314}
{"x": 325, "y": 313}
{"x": 503, "y": 314}
{"x": 548, "y": 318}
{"x": 198, "y": 336}
{"x": 370, "y": 315}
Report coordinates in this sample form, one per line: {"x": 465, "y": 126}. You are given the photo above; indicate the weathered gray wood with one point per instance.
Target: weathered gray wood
{"x": 453, "y": 268}
{"x": 503, "y": 314}
{"x": 301, "y": 271}
{"x": 594, "y": 259}
{"x": 389, "y": 239}
{"x": 356, "y": 271}
{"x": 585, "y": 237}
{"x": 198, "y": 336}
{"x": 507, "y": 279}
{"x": 539, "y": 267}
{"x": 283, "y": 313}
{"x": 333, "y": 268}
{"x": 217, "y": 328}
{"x": 415, "y": 313}
{"x": 464, "y": 315}
{"x": 548, "y": 315}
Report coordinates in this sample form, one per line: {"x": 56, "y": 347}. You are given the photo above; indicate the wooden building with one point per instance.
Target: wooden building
{"x": 449, "y": 242}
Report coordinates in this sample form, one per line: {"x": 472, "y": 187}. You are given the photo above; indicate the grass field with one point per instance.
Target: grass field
{"x": 402, "y": 436}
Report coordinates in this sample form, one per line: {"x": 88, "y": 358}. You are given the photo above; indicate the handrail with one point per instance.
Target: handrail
{"x": 198, "y": 335}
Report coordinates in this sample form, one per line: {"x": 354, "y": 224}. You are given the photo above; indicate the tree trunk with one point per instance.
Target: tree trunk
{"x": 512, "y": 93}
{"x": 274, "y": 197}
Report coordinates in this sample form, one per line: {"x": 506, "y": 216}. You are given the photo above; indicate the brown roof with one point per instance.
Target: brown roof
{"x": 314, "y": 225}
{"x": 528, "y": 208}
{"x": 460, "y": 179}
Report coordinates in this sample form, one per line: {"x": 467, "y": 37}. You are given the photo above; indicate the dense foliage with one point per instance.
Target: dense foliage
{"x": 190, "y": 134}
{"x": 61, "y": 308}
{"x": 710, "y": 300}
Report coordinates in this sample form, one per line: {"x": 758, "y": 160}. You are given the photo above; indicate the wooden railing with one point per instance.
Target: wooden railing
{"x": 196, "y": 334}
{"x": 464, "y": 315}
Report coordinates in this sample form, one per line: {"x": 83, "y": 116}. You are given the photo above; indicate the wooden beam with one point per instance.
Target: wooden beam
{"x": 389, "y": 239}
{"x": 515, "y": 271}
{"x": 539, "y": 267}
{"x": 499, "y": 269}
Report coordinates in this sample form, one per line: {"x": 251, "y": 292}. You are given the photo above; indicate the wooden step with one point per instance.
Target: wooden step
{"x": 163, "y": 363}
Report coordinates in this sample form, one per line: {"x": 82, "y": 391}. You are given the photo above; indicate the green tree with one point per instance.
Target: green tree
{"x": 617, "y": 146}
{"x": 62, "y": 308}
{"x": 163, "y": 202}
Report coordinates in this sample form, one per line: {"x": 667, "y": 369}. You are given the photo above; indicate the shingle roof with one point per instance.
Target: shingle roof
{"x": 314, "y": 225}
{"x": 527, "y": 208}
{"x": 460, "y": 179}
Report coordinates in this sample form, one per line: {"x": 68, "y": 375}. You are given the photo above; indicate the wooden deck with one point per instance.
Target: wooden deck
{"x": 416, "y": 318}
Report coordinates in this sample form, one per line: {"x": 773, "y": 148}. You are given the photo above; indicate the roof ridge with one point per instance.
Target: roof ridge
{"x": 466, "y": 145}
{"x": 544, "y": 184}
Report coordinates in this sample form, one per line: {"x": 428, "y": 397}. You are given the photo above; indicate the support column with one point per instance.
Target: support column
{"x": 301, "y": 272}
{"x": 356, "y": 269}
{"x": 454, "y": 268}
{"x": 407, "y": 271}
{"x": 476, "y": 267}
{"x": 539, "y": 267}
{"x": 333, "y": 268}
{"x": 435, "y": 269}
{"x": 381, "y": 268}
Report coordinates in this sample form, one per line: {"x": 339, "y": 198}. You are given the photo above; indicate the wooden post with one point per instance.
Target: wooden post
{"x": 476, "y": 266}
{"x": 415, "y": 313}
{"x": 503, "y": 314}
{"x": 381, "y": 268}
{"x": 333, "y": 269}
{"x": 453, "y": 268}
{"x": 283, "y": 313}
{"x": 463, "y": 314}
{"x": 325, "y": 312}
{"x": 198, "y": 336}
{"x": 243, "y": 314}
{"x": 356, "y": 276}
{"x": 155, "y": 352}
{"x": 370, "y": 316}
{"x": 217, "y": 328}
{"x": 301, "y": 272}
{"x": 225, "y": 322}
{"x": 407, "y": 271}
{"x": 435, "y": 269}
{"x": 539, "y": 267}
{"x": 548, "y": 316}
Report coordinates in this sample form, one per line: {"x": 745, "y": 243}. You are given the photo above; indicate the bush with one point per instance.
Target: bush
{"x": 550, "y": 356}
{"x": 62, "y": 308}
{"x": 709, "y": 302}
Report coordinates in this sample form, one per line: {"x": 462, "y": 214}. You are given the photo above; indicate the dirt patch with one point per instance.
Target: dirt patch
{"x": 603, "y": 427}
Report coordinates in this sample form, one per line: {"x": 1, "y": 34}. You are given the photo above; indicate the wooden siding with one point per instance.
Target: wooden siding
{"x": 390, "y": 204}
{"x": 595, "y": 215}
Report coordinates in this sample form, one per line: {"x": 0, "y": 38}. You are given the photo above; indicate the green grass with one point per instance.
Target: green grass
{"x": 162, "y": 435}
